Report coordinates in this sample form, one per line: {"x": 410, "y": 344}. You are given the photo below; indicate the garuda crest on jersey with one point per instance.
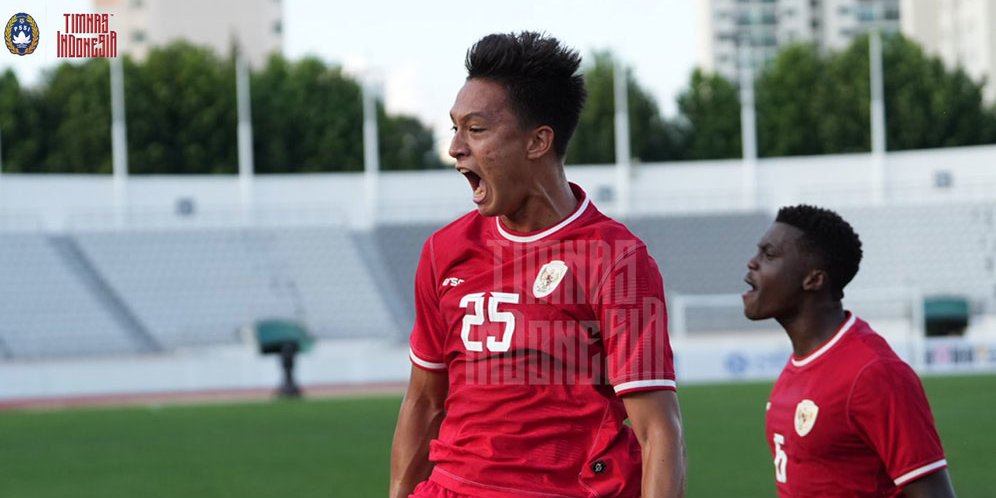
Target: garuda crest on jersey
{"x": 21, "y": 34}
{"x": 805, "y": 416}
{"x": 549, "y": 278}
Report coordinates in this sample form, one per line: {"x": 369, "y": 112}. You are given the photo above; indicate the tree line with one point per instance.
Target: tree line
{"x": 806, "y": 102}
{"x": 307, "y": 115}
{"x": 181, "y": 118}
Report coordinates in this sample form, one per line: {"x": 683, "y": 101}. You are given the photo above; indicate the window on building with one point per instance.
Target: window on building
{"x": 866, "y": 13}
{"x": 138, "y": 36}
{"x": 278, "y": 27}
{"x": 137, "y": 4}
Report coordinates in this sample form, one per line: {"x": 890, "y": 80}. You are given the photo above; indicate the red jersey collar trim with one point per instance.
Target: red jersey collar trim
{"x": 533, "y": 237}
{"x": 827, "y": 345}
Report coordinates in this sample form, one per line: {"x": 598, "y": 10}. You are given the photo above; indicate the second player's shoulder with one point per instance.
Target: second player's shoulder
{"x": 873, "y": 359}
{"x": 867, "y": 345}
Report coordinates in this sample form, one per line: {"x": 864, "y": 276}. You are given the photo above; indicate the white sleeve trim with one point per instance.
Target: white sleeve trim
{"x": 917, "y": 473}
{"x": 637, "y": 384}
{"x": 423, "y": 363}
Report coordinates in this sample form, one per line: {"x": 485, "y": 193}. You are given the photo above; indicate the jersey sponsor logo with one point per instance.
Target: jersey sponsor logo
{"x": 21, "y": 34}
{"x": 549, "y": 278}
{"x": 805, "y": 416}
{"x": 452, "y": 282}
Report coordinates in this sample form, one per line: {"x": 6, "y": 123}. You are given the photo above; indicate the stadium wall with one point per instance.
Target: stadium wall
{"x": 359, "y": 364}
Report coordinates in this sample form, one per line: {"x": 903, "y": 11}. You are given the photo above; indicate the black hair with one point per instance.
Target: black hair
{"x": 540, "y": 77}
{"x": 829, "y": 237}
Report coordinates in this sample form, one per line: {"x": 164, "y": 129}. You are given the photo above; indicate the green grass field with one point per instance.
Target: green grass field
{"x": 339, "y": 448}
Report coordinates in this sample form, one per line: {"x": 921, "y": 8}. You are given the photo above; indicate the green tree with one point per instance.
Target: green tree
{"x": 927, "y": 105}
{"x": 651, "y": 137}
{"x": 74, "y": 122}
{"x": 307, "y": 117}
{"x": 405, "y": 143}
{"x": 808, "y": 103}
{"x": 181, "y": 112}
{"x": 20, "y": 125}
{"x": 791, "y": 121}
{"x": 710, "y": 114}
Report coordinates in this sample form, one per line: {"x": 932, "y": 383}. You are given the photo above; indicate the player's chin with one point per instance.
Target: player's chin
{"x": 751, "y": 310}
{"x": 484, "y": 210}
{"x": 488, "y": 208}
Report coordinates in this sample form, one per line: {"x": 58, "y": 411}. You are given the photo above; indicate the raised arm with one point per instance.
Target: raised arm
{"x": 418, "y": 423}
{"x": 656, "y": 420}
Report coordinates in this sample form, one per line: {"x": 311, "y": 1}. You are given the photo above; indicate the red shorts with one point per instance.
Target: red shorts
{"x": 429, "y": 489}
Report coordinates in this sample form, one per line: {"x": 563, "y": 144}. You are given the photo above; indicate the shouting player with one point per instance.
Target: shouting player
{"x": 540, "y": 323}
{"x": 846, "y": 417}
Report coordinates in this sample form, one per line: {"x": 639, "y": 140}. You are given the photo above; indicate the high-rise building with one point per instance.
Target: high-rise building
{"x": 961, "y": 32}
{"x": 764, "y": 26}
{"x": 256, "y": 26}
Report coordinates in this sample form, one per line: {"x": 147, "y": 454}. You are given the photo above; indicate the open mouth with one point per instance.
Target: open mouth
{"x": 751, "y": 286}
{"x": 477, "y": 184}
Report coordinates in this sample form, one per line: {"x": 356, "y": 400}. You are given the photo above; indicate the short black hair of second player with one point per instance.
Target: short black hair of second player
{"x": 832, "y": 239}
{"x": 540, "y": 77}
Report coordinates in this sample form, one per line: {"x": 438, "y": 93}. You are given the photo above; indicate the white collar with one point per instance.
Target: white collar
{"x": 829, "y": 344}
{"x": 545, "y": 233}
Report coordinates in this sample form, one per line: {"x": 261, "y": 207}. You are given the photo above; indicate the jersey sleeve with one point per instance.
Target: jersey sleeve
{"x": 426, "y": 341}
{"x": 633, "y": 317}
{"x": 889, "y": 408}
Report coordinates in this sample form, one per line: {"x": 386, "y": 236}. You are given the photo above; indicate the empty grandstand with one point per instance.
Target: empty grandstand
{"x": 172, "y": 283}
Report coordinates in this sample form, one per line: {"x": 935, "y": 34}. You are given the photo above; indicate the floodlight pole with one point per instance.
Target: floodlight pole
{"x": 246, "y": 163}
{"x": 623, "y": 154}
{"x": 877, "y": 117}
{"x": 371, "y": 155}
{"x": 119, "y": 143}
{"x": 748, "y": 125}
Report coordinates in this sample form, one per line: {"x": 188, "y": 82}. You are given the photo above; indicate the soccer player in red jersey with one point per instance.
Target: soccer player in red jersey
{"x": 540, "y": 323}
{"x": 846, "y": 416}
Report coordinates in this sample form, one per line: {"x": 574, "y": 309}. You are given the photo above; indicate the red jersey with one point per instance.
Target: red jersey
{"x": 539, "y": 335}
{"x": 850, "y": 419}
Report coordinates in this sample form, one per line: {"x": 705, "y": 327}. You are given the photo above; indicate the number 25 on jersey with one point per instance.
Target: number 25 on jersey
{"x": 475, "y": 317}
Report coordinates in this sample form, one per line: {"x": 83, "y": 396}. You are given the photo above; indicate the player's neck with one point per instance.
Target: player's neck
{"x": 813, "y": 326}
{"x": 550, "y": 201}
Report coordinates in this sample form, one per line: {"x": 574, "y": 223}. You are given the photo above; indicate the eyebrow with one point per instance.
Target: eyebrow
{"x": 471, "y": 115}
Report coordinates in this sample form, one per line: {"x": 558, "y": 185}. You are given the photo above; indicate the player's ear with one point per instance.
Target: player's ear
{"x": 540, "y": 142}
{"x": 816, "y": 280}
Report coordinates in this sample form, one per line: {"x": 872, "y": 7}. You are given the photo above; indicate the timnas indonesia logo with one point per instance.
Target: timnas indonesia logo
{"x": 87, "y": 35}
{"x": 21, "y": 34}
